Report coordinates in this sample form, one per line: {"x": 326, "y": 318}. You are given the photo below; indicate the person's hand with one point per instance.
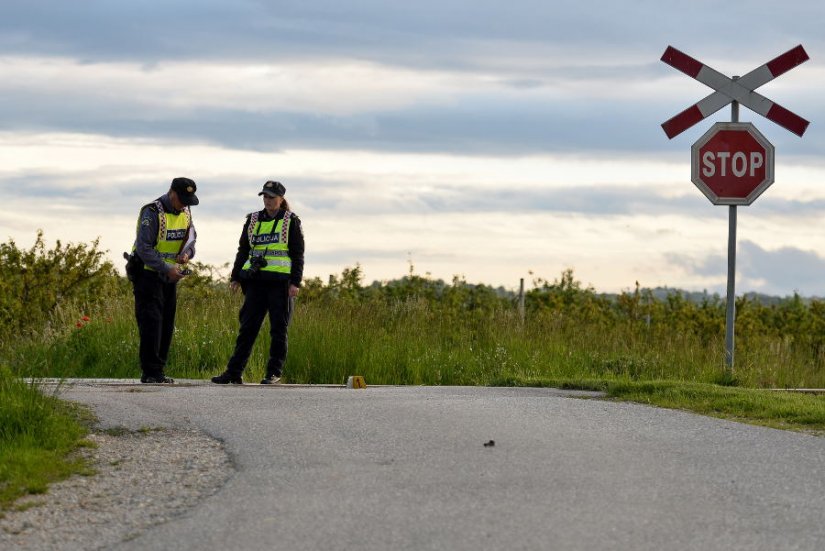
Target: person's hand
{"x": 234, "y": 286}
{"x": 174, "y": 273}
{"x": 293, "y": 291}
{"x": 182, "y": 258}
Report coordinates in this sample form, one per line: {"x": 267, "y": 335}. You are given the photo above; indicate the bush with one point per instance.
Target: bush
{"x": 36, "y": 282}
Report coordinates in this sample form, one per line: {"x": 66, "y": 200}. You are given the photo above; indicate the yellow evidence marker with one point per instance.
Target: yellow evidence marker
{"x": 356, "y": 381}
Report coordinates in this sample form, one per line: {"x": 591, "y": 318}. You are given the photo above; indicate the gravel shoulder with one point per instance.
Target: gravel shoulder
{"x": 142, "y": 479}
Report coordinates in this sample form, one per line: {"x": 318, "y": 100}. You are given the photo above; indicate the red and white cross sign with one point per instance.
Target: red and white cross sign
{"x": 741, "y": 90}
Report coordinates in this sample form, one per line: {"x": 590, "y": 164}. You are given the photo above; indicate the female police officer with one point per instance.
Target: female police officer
{"x": 268, "y": 268}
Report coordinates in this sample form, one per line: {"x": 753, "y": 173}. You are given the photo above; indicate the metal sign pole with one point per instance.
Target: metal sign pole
{"x": 730, "y": 314}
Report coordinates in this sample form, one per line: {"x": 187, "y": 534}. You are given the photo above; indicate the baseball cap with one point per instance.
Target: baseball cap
{"x": 273, "y": 189}
{"x": 185, "y": 188}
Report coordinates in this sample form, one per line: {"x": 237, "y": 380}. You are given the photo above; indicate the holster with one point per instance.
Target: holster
{"x": 134, "y": 266}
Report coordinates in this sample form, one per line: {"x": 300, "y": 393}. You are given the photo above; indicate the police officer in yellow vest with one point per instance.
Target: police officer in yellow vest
{"x": 268, "y": 268}
{"x": 165, "y": 241}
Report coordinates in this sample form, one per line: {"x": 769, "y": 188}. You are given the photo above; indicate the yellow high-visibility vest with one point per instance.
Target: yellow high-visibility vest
{"x": 171, "y": 233}
{"x": 270, "y": 241}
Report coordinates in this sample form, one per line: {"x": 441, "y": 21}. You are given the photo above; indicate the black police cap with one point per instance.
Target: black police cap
{"x": 273, "y": 189}
{"x": 185, "y": 188}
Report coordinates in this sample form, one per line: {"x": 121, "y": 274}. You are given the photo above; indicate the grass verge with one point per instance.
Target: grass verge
{"x": 38, "y": 434}
{"x": 778, "y": 409}
{"x": 786, "y": 410}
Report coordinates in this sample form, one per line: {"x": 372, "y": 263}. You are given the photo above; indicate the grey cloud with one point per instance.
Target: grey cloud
{"x": 481, "y": 126}
{"x": 104, "y": 190}
{"x": 708, "y": 266}
{"x": 781, "y": 269}
{"x": 225, "y": 194}
{"x": 423, "y": 33}
{"x": 524, "y": 83}
{"x": 474, "y": 124}
{"x": 525, "y": 46}
{"x": 787, "y": 207}
{"x": 605, "y": 200}
{"x": 761, "y": 270}
{"x": 47, "y": 185}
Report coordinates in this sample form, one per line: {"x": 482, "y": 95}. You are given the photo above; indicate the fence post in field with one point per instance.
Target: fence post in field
{"x": 647, "y": 302}
{"x": 521, "y": 300}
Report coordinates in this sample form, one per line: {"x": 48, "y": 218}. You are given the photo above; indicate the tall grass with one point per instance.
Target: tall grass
{"x": 415, "y": 341}
{"x": 66, "y": 313}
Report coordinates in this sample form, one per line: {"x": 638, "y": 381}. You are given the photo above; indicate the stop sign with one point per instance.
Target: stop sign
{"x": 732, "y": 163}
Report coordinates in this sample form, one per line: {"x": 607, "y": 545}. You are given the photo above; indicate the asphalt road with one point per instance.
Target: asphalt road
{"x": 406, "y": 468}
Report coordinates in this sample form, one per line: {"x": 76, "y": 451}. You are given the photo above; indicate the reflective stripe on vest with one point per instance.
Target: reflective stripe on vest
{"x": 171, "y": 233}
{"x": 270, "y": 240}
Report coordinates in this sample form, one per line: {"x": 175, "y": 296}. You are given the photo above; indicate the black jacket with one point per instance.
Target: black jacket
{"x": 295, "y": 245}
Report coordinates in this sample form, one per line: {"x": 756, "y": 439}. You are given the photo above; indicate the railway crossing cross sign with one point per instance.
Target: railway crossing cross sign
{"x": 735, "y": 89}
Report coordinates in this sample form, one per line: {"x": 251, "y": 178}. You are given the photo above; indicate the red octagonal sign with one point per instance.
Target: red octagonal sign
{"x": 732, "y": 163}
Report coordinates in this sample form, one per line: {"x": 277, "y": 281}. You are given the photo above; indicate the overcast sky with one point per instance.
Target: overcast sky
{"x": 493, "y": 140}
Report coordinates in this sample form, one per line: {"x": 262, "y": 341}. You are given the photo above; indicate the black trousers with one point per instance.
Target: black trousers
{"x": 260, "y": 298}
{"x": 155, "y": 306}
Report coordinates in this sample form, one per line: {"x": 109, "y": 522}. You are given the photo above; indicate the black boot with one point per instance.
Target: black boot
{"x": 226, "y": 378}
{"x": 157, "y": 379}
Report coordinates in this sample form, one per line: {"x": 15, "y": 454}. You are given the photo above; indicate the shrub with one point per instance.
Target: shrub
{"x": 36, "y": 282}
